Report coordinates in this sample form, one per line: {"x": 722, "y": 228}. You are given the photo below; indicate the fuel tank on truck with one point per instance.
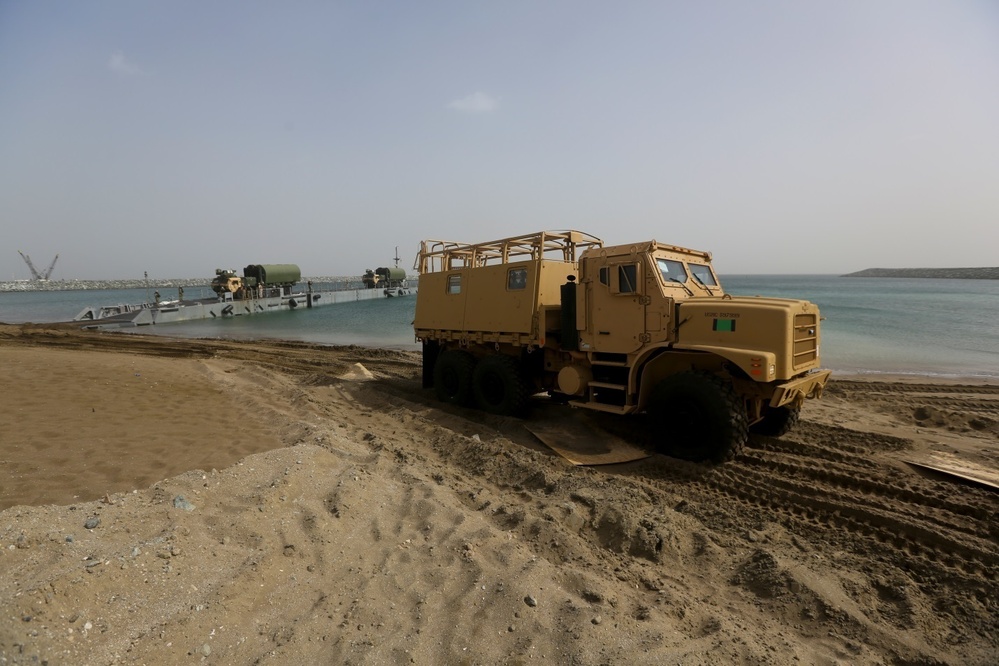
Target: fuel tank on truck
{"x": 392, "y": 274}
{"x": 274, "y": 274}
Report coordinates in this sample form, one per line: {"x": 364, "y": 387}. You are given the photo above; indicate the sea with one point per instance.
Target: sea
{"x": 878, "y": 326}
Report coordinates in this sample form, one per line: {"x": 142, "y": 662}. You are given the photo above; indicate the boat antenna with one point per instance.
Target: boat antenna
{"x": 397, "y": 256}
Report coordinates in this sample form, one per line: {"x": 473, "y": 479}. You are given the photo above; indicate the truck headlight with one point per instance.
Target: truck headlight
{"x": 773, "y": 369}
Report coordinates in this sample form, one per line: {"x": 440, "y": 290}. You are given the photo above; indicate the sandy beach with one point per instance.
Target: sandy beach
{"x": 168, "y": 501}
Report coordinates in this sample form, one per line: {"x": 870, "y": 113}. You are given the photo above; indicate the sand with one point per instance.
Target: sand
{"x": 172, "y": 501}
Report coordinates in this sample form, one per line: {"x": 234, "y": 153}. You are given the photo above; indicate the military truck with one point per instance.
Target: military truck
{"x": 384, "y": 277}
{"x": 226, "y": 281}
{"x": 636, "y": 329}
{"x": 276, "y": 278}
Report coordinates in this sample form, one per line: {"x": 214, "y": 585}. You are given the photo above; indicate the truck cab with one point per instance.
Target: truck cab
{"x": 630, "y": 292}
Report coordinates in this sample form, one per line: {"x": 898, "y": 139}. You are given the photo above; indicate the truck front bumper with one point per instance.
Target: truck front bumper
{"x": 797, "y": 390}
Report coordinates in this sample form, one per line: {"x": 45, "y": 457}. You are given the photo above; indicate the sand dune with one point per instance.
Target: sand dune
{"x": 178, "y": 501}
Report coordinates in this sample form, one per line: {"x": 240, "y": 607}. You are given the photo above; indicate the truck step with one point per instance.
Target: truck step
{"x": 609, "y": 385}
{"x": 601, "y": 407}
{"x": 608, "y": 397}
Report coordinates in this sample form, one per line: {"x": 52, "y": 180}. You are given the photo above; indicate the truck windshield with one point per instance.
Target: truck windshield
{"x": 672, "y": 271}
{"x": 703, "y": 274}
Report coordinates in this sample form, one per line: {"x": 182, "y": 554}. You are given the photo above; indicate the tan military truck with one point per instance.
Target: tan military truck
{"x": 644, "y": 328}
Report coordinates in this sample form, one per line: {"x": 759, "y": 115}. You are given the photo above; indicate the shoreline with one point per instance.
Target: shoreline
{"x": 850, "y": 374}
{"x": 914, "y": 377}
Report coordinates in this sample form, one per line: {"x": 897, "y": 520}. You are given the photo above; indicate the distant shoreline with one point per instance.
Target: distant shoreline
{"x": 937, "y": 273}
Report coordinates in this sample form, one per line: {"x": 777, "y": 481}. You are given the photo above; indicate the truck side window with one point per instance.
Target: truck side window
{"x": 454, "y": 284}
{"x": 627, "y": 277}
{"x": 605, "y": 276}
{"x": 516, "y": 278}
{"x": 703, "y": 274}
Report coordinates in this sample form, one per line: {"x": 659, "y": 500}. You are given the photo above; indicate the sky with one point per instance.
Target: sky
{"x": 174, "y": 137}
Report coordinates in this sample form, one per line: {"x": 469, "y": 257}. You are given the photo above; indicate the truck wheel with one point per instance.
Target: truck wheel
{"x": 431, "y": 350}
{"x": 698, "y": 416}
{"x": 499, "y": 385}
{"x": 453, "y": 377}
{"x": 777, "y": 421}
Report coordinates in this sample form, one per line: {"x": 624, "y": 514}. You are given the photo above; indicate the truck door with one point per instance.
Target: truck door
{"x": 615, "y": 306}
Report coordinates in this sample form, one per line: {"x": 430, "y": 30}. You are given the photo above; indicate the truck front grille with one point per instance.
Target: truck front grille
{"x": 806, "y": 339}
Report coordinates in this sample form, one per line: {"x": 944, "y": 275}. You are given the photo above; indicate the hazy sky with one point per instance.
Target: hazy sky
{"x": 176, "y": 137}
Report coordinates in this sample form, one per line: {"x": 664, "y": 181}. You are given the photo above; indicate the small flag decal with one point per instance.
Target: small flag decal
{"x": 724, "y": 325}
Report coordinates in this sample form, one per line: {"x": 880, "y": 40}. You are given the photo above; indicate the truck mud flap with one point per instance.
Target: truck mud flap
{"x": 809, "y": 386}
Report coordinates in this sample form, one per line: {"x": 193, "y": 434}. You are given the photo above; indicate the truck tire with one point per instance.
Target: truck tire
{"x": 777, "y": 421}
{"x": 698, "y": 416}
{"x": 431, "y": 350}
{"x": 453, "y": 377}
{"x": 499, "y": 385}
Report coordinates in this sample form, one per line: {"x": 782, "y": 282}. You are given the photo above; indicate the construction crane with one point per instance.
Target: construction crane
{"x": 35, "y": 274}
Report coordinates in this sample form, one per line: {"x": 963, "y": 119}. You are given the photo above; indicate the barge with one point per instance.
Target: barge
{"x": 262, "y": 288}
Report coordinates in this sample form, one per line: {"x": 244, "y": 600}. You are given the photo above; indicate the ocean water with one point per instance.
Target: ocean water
{"x": 896, "y": 325}
{"x": 870, "y": 325}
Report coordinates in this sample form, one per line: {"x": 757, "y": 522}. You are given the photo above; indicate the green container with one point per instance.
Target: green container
{"x": 393, "y": 274}
{"x": 273, "y": 274}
